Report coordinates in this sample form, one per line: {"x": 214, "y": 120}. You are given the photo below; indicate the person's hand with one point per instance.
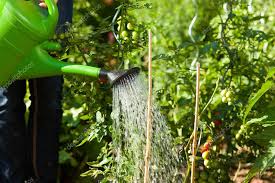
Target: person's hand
{"x": 43, "y": 4}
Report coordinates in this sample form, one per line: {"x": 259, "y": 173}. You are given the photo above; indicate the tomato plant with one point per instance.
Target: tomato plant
{"x": 233, "y": 41}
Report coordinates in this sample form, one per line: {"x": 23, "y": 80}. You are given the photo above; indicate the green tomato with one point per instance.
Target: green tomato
{"x": 118, "y": 28}
{"x": 205, "y": 155}
{"x": 124, "y": 34}
{"x": 206, "y": 163}
{"x": 130, "y": 26}
{"x": 223, "y": 92}
{"x": 214, "y": 148}
{"x": 238, "y": 135}
{"x": 62, "y": 36}
{"x": 228, "y": 94}
{"x": 224, "y": 99}
{"x": 242, "y": 127}
{"x": 134, "y": 35}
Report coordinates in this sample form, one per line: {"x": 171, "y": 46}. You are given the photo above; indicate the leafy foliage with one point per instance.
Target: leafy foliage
{"x": 233, "y": 41}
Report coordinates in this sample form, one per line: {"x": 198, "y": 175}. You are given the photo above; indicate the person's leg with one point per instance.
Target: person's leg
{"x": 65, "y": 8}
{"x": 12, "y": 133}
{"x": 46, "y": 113}
{"x": 44, "y": 121}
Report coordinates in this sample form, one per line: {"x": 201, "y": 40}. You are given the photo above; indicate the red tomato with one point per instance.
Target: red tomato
{"x": 206, "y": 146}
{"x": 108, "y": 2}
{"x": 218, "y": 122}
{"x": 111, "y": 37}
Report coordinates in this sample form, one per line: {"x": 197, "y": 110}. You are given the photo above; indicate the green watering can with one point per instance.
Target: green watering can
{"x": 24, "y": 31}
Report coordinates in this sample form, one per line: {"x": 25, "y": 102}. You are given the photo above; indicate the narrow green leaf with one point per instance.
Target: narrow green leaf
{"x": 266, "y": 86}
{"x": 87, "y": 173}
{"x": 92, "y": 172}
{"x": 100, "y": 164}
{"x": 256, "y": 120}
{"x": 82, "y": 142}
{"x": 85, "y": 117}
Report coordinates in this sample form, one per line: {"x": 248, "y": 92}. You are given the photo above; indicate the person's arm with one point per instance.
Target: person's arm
{"x": 43, "y": 4}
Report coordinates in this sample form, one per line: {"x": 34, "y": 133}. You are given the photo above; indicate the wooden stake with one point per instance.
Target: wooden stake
{"x": 196, "y": 122}
{"x": 149, "y": 114}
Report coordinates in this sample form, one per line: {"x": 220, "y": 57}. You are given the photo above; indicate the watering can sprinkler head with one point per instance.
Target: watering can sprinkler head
{"x": 116, "y": 77}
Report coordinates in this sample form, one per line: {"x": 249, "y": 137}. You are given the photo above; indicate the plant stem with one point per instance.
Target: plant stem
{"x": 196, "y": 122}
{"x": 187, "y": 158}
{"x": 237, "y": 172}
{"x": 187, "y": 173}
{"x": 149, "y": 114}
{"x": 212, "y": 96}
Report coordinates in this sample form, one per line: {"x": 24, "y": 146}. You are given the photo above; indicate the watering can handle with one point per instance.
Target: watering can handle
{"x": 53, "y": 13}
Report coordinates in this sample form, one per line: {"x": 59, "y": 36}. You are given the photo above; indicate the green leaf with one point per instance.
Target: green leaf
{"x": 87, "y": 173}
{"x": 100, "y": 164}
{"x": 257, "y": 18}
{"x": 82, "y": 142}
{"x": 85, "y": 117}
{"x": 265, "y": 136}
{"x": 263, "y": 162}
{"x": 162, "y": 57}
{"x": 270, "y": 73}
{"x": 266, "y": 86}
{"x": 256, "y": 120}
{"x": 92, "y": 172}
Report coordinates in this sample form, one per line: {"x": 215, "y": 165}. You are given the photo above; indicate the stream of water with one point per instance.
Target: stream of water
{"x": 129, "y": 134}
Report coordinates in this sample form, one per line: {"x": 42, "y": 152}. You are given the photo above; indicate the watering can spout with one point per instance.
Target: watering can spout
{"x": 117, "y": 77}
{"x": 41, "y": 64}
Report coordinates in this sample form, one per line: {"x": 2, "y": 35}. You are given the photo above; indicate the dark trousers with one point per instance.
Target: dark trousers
{"x": 29, "y": 151}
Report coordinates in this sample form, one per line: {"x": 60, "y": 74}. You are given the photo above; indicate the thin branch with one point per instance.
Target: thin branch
{"x": 212, "y": 96}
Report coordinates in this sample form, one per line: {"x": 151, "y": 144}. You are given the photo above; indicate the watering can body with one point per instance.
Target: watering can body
{"x": 24, "y": 31}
